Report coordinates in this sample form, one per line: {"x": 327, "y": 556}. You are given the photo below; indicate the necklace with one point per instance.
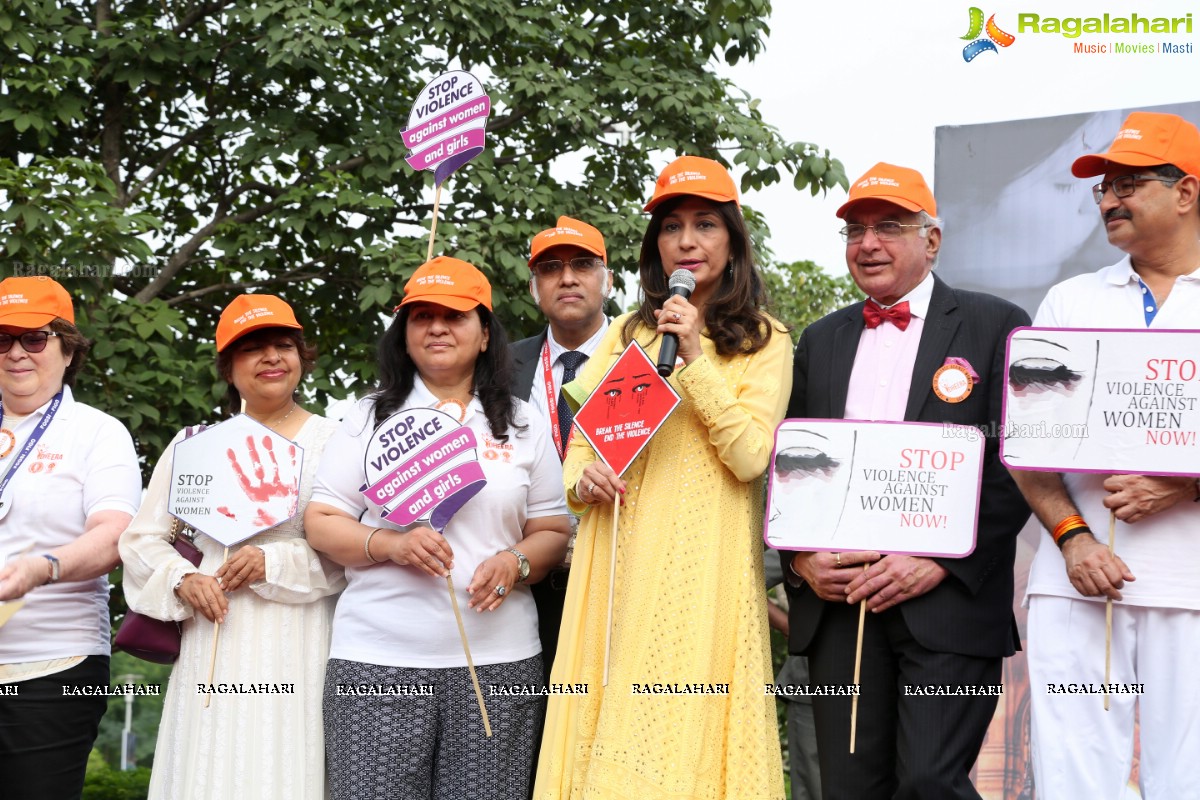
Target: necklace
{"x": 274, "y": 425}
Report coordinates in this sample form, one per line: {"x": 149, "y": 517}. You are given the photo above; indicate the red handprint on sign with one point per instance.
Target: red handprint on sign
{"x": 260, "y": 487}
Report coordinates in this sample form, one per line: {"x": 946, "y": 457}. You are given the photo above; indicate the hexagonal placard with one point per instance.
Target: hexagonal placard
{"x": 235, "y": 479}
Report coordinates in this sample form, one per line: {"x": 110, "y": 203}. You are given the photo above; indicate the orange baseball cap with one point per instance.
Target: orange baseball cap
{"x": 900, "y": 185}
{"x": 1147, "y": 139}
{"x": 34, "y": 302}
{"x": 571, "y": 233}
{"x": 448, "y": 282}
{"x": 249, "y": 312}
{"x": 697, "y": 176}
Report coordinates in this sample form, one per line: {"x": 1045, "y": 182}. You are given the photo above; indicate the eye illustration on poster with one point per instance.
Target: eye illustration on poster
{"x": 1104, "y": 401}
{"x": 1050, "y": 393}
{"x": 811, "y": 478}
{"x": 626, "y": 396}
{"x": 890, "y": 487}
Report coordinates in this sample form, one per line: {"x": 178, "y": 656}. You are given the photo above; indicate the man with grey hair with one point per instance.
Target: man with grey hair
{"x": 936, "y": 623}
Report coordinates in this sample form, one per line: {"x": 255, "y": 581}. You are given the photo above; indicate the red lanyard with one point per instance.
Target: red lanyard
{"x": 552, "y": 401}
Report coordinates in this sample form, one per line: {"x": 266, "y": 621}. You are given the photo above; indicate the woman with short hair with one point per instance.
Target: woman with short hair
{"x": 69, "y": 484}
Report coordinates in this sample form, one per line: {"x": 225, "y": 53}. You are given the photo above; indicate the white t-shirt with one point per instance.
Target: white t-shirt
{"x": 401, "y": 617}
{"x": 1161, "y": 549}
{"x": 83, "y": 464}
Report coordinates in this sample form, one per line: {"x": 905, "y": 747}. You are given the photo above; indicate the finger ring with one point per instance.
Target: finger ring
{"x": 838, "y": 559}
{"x": 500, "y": 590}
{"x": 592, "y": 488}
{"x": 677, "y": 316}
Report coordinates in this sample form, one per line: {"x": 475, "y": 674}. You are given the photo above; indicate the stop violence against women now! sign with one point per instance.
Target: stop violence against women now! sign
{"x": 890, "y": 487}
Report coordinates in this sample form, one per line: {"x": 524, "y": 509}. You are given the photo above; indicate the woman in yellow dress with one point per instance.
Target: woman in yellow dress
{"x": 685, "y": 713}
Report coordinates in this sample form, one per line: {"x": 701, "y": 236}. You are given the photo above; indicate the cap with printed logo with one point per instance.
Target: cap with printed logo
{"x": 693, "y": 175}
{"x": 33, "y": 302}
{"x": 568, "y": 232}
{"x": 250, "y": 312}
{"x": 899, "y": 185}
{"x": 1147, "y": 139}
{"x": 448, "y": 282}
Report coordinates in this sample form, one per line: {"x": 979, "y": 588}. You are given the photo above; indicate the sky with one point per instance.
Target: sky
{"x": 871, "y": 81}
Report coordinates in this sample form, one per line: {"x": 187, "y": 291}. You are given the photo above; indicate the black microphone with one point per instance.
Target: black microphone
{"x": 682, "y": 283}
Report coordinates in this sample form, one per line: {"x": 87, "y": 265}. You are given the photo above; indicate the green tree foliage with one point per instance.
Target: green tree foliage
{"x": 801, "y": 293}
{"x": 160, "y": 158}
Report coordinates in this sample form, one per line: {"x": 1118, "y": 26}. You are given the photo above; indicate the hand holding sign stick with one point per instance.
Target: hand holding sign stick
{"x": 214, "y": 494}
{"x": 618, "y": 419}
{"x": 422, "y": 465}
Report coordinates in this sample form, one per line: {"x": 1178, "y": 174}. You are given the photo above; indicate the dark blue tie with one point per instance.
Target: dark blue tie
{"x": 571, "y": 361}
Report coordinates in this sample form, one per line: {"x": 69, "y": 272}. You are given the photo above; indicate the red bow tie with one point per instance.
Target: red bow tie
{"x": 898, "y": 315}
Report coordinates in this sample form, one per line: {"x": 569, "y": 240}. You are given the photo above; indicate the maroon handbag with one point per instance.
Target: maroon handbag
{"x": 153, "y": 639}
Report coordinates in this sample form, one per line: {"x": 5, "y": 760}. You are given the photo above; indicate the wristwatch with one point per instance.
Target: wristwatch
{"x": 55, "y": 568}
{"x": 523, "y": 566}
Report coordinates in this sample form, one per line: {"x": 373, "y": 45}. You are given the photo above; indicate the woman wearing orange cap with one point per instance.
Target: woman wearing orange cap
{"x": 69, "y": 484}
{"x": 274, "y": 592}
{"x": 401, "y": 718}
{"x": 684, "y": 714}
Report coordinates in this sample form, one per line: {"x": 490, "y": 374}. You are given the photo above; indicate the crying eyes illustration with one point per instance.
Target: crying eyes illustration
{"x": 612, "y": 394}
{"x": 1037, "y": 374}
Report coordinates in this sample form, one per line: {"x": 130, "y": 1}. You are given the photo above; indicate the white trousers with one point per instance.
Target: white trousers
{"x": 1079, "y": 749}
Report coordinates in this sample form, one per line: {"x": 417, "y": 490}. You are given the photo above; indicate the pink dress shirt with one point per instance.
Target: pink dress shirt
{"x": 883, "y": 365}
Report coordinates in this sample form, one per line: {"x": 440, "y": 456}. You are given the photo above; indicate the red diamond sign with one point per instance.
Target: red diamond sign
{"x": 628, "y": 407}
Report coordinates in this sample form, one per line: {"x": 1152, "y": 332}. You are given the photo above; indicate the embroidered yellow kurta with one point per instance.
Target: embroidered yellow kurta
{"x": 685, "y": 714}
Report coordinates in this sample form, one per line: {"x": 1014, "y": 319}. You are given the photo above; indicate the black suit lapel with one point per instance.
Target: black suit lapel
{"x": 845, "y": 348}
{"x": 525, "y": 363}
{"x": 941, "y": 324}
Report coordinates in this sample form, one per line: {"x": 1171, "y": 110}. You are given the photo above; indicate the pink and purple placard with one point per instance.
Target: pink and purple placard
{"x": 888, "y": 487}
{"x": 1102, "y": 400}
{"x": 448, "y": 124}
{"x": 422, "y": 464}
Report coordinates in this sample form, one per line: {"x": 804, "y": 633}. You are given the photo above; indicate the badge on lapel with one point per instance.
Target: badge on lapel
{"x": 954, "y": 380}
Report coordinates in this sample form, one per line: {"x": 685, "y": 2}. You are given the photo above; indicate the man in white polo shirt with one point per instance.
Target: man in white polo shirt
{"x": 1149, "y": 201}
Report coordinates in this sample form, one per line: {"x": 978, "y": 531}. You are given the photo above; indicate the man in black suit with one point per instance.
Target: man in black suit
{"x": 569, "y": 281}
{"x": 935, "y": 622}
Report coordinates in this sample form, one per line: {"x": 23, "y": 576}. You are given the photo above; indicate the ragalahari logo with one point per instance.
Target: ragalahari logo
{"x": 994, "y": 37}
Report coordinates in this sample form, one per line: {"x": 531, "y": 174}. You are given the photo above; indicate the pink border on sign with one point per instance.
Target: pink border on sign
{"x": 942, "y": 425}
{"x": 1004, "y": 401}
{"x": 434, "y": 135}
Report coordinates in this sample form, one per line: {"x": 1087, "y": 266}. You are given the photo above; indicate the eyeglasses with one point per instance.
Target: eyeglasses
{"x": 581, "y": 266}
{"x": 31, "y": 341}
{"x": 886, "y": 230}
{"x": 1125, "y": 185}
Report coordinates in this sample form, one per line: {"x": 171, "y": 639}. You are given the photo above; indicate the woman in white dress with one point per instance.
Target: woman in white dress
{"x": 261, "y": 736}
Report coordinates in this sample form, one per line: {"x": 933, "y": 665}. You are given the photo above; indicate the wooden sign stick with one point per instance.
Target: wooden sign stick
{"x": 462, "y": 632}
{"x": 862, "y": 621}
{"x": 1112, "y": 535}
{"x": 212, "y": 660}
{"x": 612, "y": 577}
{"x": 437, "y": 200}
